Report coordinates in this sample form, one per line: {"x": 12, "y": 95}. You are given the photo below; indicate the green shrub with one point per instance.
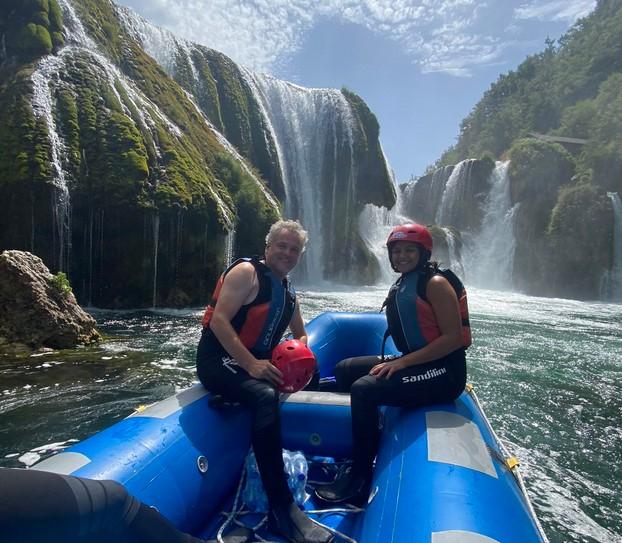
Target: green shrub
{"x": 61, "y": 283}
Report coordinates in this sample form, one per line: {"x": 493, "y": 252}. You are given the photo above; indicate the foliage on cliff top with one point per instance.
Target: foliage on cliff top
{"x": 579, "y": 236}
{"x": 537, "y": 170}
{"x": 537, "y": 94}
{"x": 600, "y": 122}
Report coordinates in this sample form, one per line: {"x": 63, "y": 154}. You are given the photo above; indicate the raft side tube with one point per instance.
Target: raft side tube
{"x": 184, "y": 464}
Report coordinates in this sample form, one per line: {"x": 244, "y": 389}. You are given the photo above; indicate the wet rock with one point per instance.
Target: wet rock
{"x": 38, "y": 309}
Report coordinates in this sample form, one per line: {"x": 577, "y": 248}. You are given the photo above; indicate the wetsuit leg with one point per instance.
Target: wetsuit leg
{"x": 437, "y": 381}
{"x": 350, "y": 369}
{"x": 37, "y": 506}
{"x": 222, "y": 375}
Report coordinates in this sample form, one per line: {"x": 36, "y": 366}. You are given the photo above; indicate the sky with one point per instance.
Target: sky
{"x": 421, "y": 66}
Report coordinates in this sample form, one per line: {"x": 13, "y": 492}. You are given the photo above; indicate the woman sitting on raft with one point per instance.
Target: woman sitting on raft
{"x": 427, "y": 318}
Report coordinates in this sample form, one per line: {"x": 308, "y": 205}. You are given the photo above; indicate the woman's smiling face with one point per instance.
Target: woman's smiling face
{"x": 404, "y": 256}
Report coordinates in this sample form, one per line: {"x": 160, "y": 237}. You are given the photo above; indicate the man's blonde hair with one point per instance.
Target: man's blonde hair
{"x": 291, "y": 226}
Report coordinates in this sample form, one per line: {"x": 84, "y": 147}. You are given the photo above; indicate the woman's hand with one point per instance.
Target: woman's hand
{"x": 264, "y": 369}
{"x": 386, "y": 369}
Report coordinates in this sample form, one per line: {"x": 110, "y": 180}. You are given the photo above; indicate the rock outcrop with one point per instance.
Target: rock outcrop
{"x": 37, "y": 308}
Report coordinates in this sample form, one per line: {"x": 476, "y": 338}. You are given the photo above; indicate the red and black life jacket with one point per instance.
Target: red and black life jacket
{"x": 410, "y": 317}
{"x": 260, "y": 323}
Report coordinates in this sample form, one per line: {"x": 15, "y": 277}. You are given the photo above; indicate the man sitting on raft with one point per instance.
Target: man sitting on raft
{"x": 252, "y": 305}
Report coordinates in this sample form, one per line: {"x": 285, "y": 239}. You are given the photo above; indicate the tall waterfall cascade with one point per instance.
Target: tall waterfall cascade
{"x": 310, "y": 128}
{"x": 375, "y": 224}
{"x": 451, "y": 198}
{"x": 613, "y": 281}
{"x": 453, "y": 254}
{"x": 316, "y": 134}
{"x": 42, "y": 102}
{"x": 489, "y": 258}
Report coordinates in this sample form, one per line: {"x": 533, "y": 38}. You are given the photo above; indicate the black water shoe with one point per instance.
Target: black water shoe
{"x": 350, "y": 488}
{"x": 290, "y": 522}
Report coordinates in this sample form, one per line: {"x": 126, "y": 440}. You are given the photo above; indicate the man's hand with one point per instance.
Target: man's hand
{"x": 264, "y": 369}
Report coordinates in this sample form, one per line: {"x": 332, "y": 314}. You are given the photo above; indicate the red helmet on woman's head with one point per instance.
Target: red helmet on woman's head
{"x": 413, "y": 232}
{"x": 296, "y": 362}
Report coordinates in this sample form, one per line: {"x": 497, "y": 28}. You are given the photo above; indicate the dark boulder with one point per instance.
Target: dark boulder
{"x": 38, "y": 309}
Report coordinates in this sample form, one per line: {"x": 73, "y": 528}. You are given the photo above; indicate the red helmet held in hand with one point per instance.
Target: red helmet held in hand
{"x": 413, "y": 232}
{"x": 296, "y": 362}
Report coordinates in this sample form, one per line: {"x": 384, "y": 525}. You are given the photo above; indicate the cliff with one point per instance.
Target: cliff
{"x": 130, "y": 173}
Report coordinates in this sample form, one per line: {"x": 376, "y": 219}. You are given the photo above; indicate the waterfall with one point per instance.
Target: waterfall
{"x": 454, "y": 255}
{"x": 159, "y": 43}
{"x": 310, "y": 128}
{"x": 42, "y": 104}
{"x": 156, "y": 242}
{"x": 167, "y": 50}
{"x": 613, "y": 280}
{"x": 229, "y": 247}
{"x": 422, "y": 197}
{"x": 452, "y": 195}
{"x": 375, "y": 223}
{"x": 490, "y": 257}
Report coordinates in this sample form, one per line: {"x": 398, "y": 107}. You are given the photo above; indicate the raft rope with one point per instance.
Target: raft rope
{"x": 510, "y": 461}
{"x": 232, "y": 516}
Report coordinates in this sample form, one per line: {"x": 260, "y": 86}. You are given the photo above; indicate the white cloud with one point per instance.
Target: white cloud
{"x": 555, "y": 10}
{"x": 439, "y": 35}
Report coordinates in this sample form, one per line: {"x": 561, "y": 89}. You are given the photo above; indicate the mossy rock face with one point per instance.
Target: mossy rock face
{"x": 579, "y": 235}
{"x": 423, "y": 197}
{"x": 143, "y": 175}
{"x": 363, "y": 178}
{"x": 147, "y": 187}
{"x": 30, "y": 28}
{"x": 441, "y": 251}
{"x": 537, "y": 171}
{"x": 374, "y": 184}
{"x": 468, "y": 215}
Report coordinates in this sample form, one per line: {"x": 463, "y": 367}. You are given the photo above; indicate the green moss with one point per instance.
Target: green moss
{"x": 30, "y": 28}
{"x": 34, "y": 40}
{"x": 250, "y": 204}
{"x": 55, "y": 16}
{"x": 374, "y": 180}
{"x": 41, "y": 18}
{"x": 67, "y": 110}
{"x": 207, "y": 92}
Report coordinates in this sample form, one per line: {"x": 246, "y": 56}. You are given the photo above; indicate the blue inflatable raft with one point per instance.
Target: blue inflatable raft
{"x": 441, "y": 474}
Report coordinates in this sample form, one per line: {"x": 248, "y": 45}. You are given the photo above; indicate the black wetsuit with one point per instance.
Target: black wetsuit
{"x": 222, "y": 375}
{"x": 43, "y": 507}
{"x": 437, "y": 381}
{"x": 218, "y": 372}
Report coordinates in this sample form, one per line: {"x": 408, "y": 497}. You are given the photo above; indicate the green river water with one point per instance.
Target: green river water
{"x": 547, "y": 371}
